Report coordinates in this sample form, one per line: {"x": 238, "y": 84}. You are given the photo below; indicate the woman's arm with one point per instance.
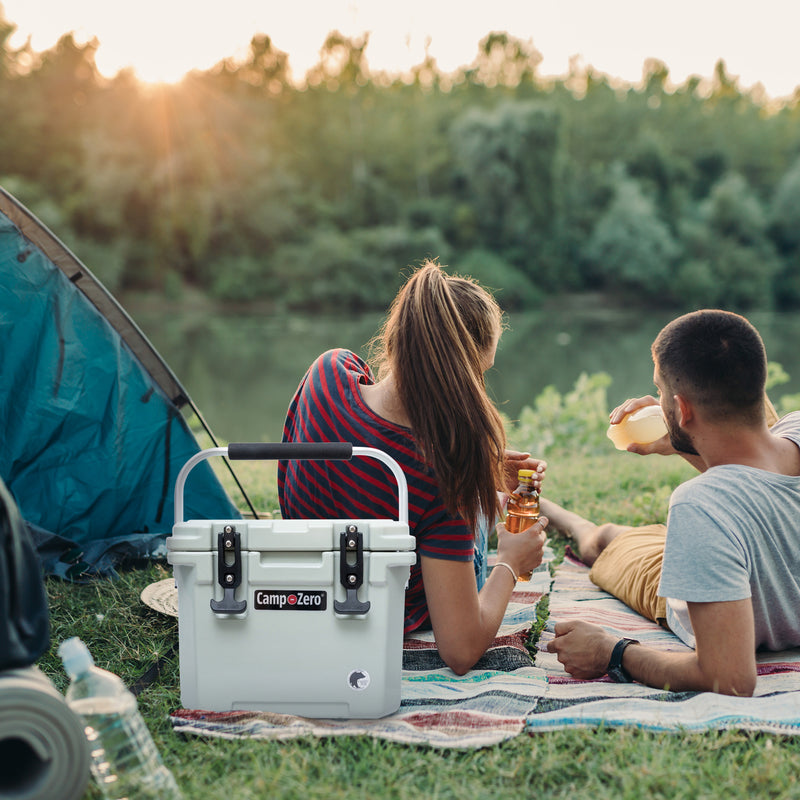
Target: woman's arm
{"x": 465, "y": 622}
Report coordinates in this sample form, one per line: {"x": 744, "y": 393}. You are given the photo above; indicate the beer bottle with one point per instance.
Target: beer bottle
{"x": 522, "y": 510}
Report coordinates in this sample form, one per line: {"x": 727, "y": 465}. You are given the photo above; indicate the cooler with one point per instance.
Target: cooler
{"x": 293, "y": 616}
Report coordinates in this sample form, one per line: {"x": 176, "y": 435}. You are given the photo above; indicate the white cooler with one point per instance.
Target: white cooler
{"x": 293, "y": 616}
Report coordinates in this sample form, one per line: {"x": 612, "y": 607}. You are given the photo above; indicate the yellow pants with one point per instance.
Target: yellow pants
{"x": 630, "y": 569}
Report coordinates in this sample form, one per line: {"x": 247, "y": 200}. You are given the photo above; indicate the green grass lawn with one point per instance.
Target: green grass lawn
{"x": 127, "y": 637}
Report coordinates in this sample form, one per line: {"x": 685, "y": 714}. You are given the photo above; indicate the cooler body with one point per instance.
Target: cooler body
{"x": 298, "y": 617}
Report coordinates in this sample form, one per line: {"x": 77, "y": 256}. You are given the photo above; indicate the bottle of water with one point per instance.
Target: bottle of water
{"x": 125, "y": 762}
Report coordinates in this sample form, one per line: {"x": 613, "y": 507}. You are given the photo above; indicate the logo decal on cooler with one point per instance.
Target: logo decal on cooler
{"x": 290, "y": 600}
{"x": 358, "y": 680}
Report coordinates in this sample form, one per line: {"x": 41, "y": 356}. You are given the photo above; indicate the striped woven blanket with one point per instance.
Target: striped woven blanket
{"x": 507, "y": 693}
{"x": 572, "y": 703}
{"x": 438, "y": 708}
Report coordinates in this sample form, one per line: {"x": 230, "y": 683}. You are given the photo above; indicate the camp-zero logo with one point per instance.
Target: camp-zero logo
{"x": 289, "y": 600}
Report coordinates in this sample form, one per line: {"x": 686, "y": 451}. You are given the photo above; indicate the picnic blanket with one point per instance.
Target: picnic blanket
{"x": 775, "y": 706}
{"x": 438, "y": 708}
{"x": 508, "y": 693}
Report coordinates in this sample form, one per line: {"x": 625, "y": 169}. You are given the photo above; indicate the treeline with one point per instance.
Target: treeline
{"x": 248, "y": 186}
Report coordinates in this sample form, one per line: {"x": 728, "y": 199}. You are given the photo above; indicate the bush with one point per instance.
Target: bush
{"x": 570, "y": 424}
{"x": 631, "y": 247}
{"x": 513, "y": 289}
{"x": 358, "y": 270}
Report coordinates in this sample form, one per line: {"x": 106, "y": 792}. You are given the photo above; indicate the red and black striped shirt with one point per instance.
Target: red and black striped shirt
{"x": 328, "y": 407}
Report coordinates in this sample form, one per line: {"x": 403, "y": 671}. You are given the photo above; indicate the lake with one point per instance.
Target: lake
{"x": 241, "y": 369}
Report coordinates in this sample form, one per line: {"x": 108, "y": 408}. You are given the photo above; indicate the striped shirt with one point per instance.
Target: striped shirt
{"x": 328, "y": 407}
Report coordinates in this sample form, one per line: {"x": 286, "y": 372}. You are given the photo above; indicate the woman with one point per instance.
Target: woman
{"x": 430, "y": 411}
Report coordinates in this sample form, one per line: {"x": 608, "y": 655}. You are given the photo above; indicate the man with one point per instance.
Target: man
{"x": 724, "y": 574}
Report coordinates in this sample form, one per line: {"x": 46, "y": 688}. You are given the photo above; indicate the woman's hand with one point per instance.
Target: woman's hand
{"x": 523, "y": 551}
{"x": 515, "y": 461}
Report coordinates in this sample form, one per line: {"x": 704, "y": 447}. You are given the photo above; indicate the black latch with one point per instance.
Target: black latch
{"x": 229, "y": 571}
{"x": 351, "y": 570}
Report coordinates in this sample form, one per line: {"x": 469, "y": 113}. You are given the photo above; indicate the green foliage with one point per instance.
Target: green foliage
{"x": 785, "y": 209}
{"x": 631, "y": 248}
{"x": 734, "y": 261}
{"x": 357, "y": 270}
{"x": 510, "y": 159}
{"x": 229, "y": 180}
{"x": 571, "y": 424}
{"x": 513, "y": 288}
{"x": 776, "y": 375}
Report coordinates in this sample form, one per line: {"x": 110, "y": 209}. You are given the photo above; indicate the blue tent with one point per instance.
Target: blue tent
{"x": 94, "y": 432}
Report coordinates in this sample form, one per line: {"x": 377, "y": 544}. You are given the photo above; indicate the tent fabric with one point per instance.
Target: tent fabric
{"x": 92, "y": 440}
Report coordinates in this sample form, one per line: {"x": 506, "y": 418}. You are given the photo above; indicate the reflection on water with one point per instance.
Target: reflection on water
{"x": 242, "y": 369}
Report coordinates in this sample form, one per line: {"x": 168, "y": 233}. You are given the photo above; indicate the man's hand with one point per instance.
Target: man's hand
{"x": 662, "y": 446}
{"x": 584, "y": 649}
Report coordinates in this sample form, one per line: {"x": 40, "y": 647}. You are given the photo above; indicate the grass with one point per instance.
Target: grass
{"x": 127, "y": 637}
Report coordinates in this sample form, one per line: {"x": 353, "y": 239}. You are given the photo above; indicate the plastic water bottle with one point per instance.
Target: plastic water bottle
{"x": 125, "y": 762}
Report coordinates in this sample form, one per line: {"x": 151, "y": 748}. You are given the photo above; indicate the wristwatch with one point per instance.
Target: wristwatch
{"x": 615, "y": 670}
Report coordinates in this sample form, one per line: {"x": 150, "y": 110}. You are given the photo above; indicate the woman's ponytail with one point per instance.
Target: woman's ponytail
{"x": 436, "y": 340}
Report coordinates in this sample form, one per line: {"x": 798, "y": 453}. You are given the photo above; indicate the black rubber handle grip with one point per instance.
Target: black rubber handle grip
{"x": 272, "y": 451}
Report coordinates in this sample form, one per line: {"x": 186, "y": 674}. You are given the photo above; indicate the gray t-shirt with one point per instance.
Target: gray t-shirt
{"x": 733, "y": 532}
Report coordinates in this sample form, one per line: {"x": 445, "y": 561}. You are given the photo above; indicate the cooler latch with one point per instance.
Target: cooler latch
{"x": 351, "y": 570}
{"x": 229, "y": 571}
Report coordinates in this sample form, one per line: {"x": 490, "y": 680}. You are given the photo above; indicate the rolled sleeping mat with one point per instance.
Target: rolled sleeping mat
{"x": 44, "y": 753}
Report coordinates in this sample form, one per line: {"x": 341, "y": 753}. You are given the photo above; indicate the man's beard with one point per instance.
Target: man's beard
{"x": 677, "y": 437}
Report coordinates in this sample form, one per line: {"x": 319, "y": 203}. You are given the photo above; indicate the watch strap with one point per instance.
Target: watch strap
{"x": 615, "y": 670}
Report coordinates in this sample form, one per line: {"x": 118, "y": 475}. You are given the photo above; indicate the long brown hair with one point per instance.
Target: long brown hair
{"x": 435, "y": 341}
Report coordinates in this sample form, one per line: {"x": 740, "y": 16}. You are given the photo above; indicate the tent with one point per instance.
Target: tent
{"x": 94, "y": 423}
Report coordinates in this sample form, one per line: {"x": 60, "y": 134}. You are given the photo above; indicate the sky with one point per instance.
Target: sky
{"x": 164, "y": 39}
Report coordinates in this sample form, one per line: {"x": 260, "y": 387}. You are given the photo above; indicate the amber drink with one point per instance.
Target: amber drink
{"x": 522, "y": 510}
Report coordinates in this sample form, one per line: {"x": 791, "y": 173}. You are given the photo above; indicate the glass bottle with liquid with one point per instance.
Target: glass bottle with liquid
{"x": 522, "y": 510}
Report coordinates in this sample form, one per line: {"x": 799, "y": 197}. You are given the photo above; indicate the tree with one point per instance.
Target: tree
{"x": 785, "y": 223}
{"x": 265, "y": 68}
{"x": 504, "y": 61}
{"x": 631, "y": 248}
{"x": 510, "y": 159}
{"x": 728, "y": 243}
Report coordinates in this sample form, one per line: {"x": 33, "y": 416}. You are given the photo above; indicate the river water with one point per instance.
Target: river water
{"x": 241, "y": 369}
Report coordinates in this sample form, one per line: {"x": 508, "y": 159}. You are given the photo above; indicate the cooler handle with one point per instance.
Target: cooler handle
{"x": 273, "y": 451}
{"x": 309, "y": 451}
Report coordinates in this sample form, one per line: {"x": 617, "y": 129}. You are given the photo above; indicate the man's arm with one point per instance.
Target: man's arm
{"x": 723, "y": 662}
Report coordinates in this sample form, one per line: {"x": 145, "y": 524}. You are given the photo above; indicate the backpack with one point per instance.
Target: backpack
{"x": 24, "y": 615}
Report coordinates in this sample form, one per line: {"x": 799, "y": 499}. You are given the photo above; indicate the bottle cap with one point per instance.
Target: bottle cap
{"x": 75, "y": 656}
{"x": 525, "y": 473}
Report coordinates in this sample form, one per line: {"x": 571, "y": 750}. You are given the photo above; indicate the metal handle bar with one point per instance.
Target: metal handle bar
{"x": 295, "y": 451}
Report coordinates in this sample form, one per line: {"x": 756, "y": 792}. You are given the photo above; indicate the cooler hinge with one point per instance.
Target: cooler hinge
{"x": 229, "y": 571}
{"x": 351, "y": 570}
